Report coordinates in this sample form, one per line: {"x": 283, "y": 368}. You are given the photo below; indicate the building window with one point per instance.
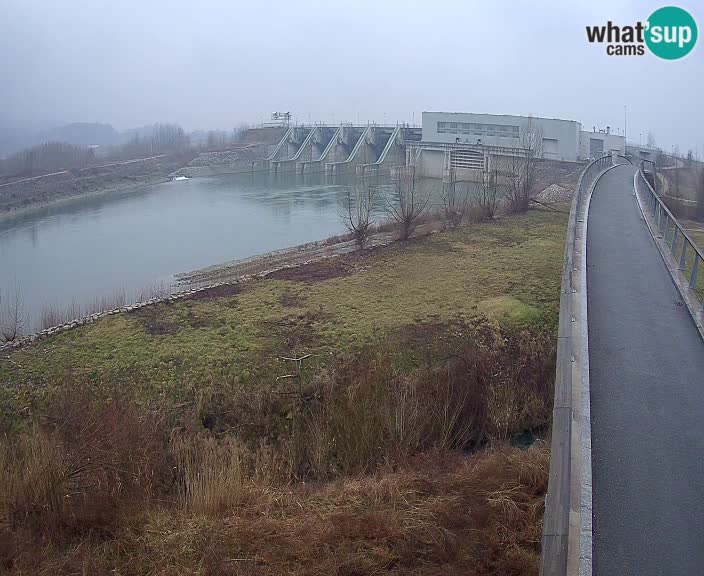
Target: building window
{"x": 491, "y": 130}
{"x": 596, "y": 146}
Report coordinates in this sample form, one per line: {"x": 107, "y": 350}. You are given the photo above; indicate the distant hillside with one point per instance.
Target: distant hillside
{"x": 82, "y": 134}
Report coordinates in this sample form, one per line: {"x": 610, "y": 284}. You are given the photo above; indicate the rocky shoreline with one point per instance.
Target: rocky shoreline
{"x": 237, "y": 160}
{"x": 89, "y": 319}
{"x": 214, "y": 277}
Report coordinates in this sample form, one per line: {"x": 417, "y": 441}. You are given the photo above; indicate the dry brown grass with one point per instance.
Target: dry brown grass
{"x": 366, "y": 466}
{"x": 81, "y": 469}
{"x": 439, "y": 514}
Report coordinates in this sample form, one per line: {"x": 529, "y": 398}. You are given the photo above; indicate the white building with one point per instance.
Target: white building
{"x": 560, "y": 138}
{"x": 642, "y": 152}
{"x": 462, "y": 134}
{"x": 597, "y": 143}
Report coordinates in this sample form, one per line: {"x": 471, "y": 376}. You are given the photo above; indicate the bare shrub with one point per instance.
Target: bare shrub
{"x": 438, "y": 514}
{"x": 455, "y": 203}
{"x": 366, "y": 412}
{"x": 700, "y": 195}
{"x": 359, "y": 208}
{"x": 98, "y": 488}
{"x": 404, "y": 205}
{"x": 12, "y": 319}
{"x": 215, "y": 475}
{"x": 520, "y": 167}
{"x": 81, "y": 469}
{"x": 487, "y": 200}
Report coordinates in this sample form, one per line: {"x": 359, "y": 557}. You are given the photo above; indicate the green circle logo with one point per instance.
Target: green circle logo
{"x": 670, "y": 33}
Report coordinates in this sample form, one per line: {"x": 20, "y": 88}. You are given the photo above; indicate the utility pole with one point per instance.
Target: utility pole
{"x": 625, "y": 124}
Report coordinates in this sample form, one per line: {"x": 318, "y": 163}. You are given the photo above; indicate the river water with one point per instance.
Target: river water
{"x": 100, "y": 251}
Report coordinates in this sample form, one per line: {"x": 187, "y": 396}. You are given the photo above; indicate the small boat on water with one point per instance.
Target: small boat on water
{"x": 175, "y": 178}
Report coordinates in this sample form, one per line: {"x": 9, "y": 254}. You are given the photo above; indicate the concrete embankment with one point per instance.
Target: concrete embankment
{"x": 239, "y": 159}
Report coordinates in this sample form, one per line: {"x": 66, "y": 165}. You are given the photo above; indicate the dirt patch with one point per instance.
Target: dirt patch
{"x": 431, "y": 340}
{"x": 297, "y": 333}
{"x": 423, "y": 332}
{"x": 154, "y": 322}
{"x": 216, "y": 292}
{"x": 314, "y": 272}
{"x": 203, "y": 321}
{"x": 292, "y": 300}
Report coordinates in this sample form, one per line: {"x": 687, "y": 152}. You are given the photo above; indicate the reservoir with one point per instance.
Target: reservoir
{"x": 122, "y": 247}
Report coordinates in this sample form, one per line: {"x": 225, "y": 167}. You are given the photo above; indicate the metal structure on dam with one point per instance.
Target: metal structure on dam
{"x": 341, "y": 150}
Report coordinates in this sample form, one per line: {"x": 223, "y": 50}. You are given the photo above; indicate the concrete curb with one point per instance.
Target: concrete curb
{"x": 586, "y": 534}
{"x": 688, "y": 296}
{"x": 567, "y": 529}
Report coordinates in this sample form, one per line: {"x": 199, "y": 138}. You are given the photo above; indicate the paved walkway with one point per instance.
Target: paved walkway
{"x": 647, "y": 387}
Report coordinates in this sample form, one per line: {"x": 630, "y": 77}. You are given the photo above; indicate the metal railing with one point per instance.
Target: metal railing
{"x": 590, "y": 174}
{"x": 685, "y": 253}
{"x": 561, "y": 553}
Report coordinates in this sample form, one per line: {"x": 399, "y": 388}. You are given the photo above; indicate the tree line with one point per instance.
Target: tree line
{"x": 45, "y": 159}
{"x": 52, "y": 157}
{"x": 507, "y": 183}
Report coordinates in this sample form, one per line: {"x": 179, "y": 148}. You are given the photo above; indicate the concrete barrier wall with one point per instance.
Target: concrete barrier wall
{"x": 431, "y": 163}
{"x": 567, "y": 525}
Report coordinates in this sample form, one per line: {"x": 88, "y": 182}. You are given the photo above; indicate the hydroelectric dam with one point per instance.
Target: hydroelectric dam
{"x": 340, "y": 150}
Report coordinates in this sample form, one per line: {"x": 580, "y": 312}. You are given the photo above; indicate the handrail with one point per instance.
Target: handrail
{"x": 286, "y": 135}
{"x": 654, "y": 171}
{"x": 305, "y": 142}
{"x": 389, "y": 144}
{"x": 360, "y": 142}
{"x": 330, "y": 144}
{"x": 562, "y": 538}
{"x": 675, "y": 238}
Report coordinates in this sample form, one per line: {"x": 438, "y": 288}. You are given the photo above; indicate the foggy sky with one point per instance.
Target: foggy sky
{"x": 214, "y": 64}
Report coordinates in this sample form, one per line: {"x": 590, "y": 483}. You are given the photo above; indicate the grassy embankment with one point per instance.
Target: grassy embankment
{"x": 170, "y": 441}
{"x": 695, "y": 230}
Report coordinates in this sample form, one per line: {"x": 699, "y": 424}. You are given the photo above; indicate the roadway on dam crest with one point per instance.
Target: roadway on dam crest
{"x": 646, "y": 363}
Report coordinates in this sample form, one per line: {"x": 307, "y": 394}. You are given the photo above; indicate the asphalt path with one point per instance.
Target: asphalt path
{"x": 646, "y": 363}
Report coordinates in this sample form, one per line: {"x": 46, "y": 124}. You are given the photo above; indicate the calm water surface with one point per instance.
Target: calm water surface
{"x": 88, "y": 249}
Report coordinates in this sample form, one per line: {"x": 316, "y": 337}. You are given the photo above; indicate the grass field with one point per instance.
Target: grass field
{"x": 178, "y": 440}
{"x": 508, "y": 270}
{"x": 695, "y": 230}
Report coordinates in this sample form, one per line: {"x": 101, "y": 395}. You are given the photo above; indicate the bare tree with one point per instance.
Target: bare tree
{"x": 675, "y": 182}
{"x": 521, "y": 167}
{"x": 12, "y": 318}
{"x": 46, "y": 158}
{"x": 358, "y": 214}
{"x": 487, "y": 190}
{"x": 404, "y": 204}
{"x": 454, "y": 202}
{"x": 700, "y": 196}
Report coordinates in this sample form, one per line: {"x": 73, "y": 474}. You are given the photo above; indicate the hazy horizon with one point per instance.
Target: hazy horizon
{"x": 216, "y": 65}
